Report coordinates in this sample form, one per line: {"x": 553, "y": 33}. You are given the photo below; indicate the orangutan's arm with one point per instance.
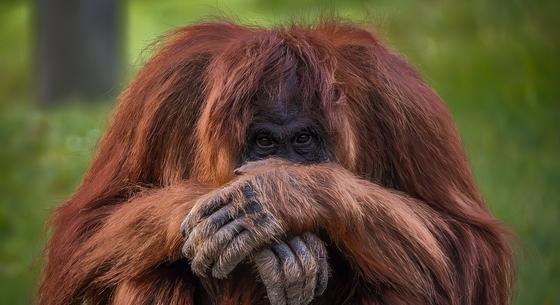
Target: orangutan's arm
{"x": 136, "y": 237}
{"x": 397, "y": 244}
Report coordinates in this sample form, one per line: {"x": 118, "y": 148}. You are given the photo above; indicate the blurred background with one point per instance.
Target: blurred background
{"x": 495, "y": 63}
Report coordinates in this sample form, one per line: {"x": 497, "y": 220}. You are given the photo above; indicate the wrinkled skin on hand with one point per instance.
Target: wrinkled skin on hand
{"x": 294, "y": 272}
{"x": 231, "y": 225}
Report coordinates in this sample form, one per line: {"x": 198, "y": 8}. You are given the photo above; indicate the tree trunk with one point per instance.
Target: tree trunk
{"x": 79, "y": 53}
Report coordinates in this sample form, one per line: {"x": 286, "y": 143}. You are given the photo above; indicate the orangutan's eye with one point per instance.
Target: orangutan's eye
{"x": 264, "y": 141}
{"x": 302, "y": 138}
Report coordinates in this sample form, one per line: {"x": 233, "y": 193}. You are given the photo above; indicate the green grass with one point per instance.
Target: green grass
{"x": 495, "y": 63}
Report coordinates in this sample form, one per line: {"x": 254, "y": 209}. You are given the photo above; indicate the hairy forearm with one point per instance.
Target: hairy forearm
{"x": 144, "y": 231}
{"x": 135, "y": 236}
{"x": 392, "y": 239}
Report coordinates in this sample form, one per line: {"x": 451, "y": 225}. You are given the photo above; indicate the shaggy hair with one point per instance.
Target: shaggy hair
{"x": 414, "y": 230}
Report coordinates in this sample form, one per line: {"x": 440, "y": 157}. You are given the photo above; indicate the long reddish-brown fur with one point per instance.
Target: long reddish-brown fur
{"x": 406, "y": 221}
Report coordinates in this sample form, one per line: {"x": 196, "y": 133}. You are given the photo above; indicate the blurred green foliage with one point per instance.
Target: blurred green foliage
{"x": 495, "y": 63}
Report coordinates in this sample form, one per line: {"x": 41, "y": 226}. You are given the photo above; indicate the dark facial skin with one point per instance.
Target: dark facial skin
{"x": 285, "y": 132}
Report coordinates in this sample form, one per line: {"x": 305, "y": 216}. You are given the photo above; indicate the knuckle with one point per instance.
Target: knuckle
{"x": 248, "y": 190}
